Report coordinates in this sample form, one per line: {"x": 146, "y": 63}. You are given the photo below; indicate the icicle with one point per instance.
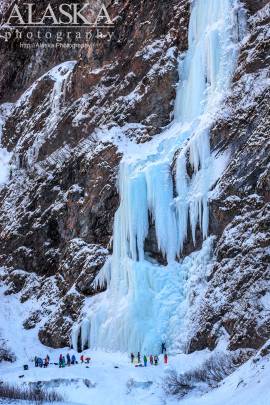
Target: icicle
{"x": 85, "y": 331}
{"x": 104, "y": 276}
{"x": 182, "y": 199}
{"x": 160, "y": 204}
{"x": 75, "y": 336}
{"x": 133, "y": 211}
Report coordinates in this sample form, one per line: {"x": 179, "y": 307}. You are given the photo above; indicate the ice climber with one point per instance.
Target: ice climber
{"x": 163, "y": 348}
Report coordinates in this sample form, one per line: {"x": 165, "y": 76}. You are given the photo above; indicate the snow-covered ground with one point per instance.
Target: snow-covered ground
{"x": 111, "y": 378}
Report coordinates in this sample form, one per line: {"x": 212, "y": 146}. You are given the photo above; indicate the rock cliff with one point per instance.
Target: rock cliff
{"x": 236, "y": 300}
{"x": 60, "y": 116}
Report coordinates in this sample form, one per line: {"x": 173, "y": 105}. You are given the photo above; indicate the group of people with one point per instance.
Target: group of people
{"x": 62, "y": 362}
{"x": 71, "y": 360}
{"x": 39, "y": 362}
{"x": 67, "y": 361}
{"x": 85, "y": 359}
{"x": 154, "y": 360}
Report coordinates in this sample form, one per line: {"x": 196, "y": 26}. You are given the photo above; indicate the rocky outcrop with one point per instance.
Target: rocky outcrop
{"x": 236, "y": 301}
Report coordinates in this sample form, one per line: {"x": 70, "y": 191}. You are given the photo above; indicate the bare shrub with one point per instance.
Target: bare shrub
{"x": 130, "y": 385}
{"x": 208, "y": 375}
{"x": 5, "y": 353}
{"x": 178, "y": 384}
{"x": 215, "y": 369}
{"x": 34, "y": 395}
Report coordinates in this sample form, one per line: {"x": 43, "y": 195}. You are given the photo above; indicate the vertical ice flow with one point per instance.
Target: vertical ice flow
{"x": 143, "y": 298}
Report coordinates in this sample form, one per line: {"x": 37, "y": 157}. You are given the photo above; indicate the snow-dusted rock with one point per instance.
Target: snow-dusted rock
{"x": 236, "y": 300}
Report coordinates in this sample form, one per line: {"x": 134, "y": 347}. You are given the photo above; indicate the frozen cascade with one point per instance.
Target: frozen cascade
{"x": 145, "y": 303}
{"x": 60, "y": 76}
{"x": 5, "y": 156}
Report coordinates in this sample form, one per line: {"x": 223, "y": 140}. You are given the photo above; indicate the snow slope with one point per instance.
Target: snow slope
{"x": 112, "y": 380}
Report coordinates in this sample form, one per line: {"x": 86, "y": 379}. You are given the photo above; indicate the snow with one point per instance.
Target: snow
{"x": 150, "y": 51}
{"x": 112, "y": 380}
{"x": 261, "y": 15}
{"x": 249, "y": 385}
{"x": 265, "y": 301}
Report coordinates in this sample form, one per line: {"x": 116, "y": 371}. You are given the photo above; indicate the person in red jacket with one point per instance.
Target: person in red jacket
{"x": 165, "y": 358}
{"x": 82, "y": 358}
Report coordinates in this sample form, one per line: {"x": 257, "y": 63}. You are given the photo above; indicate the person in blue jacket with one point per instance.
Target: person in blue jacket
{"x": 73, "y": 359}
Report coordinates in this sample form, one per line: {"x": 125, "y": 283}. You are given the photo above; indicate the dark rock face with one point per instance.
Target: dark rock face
{"x": 21, "y": 66}
{"x": 255, "y": 5}
{"x": 79, "y": 201}
{"x": 56, "y": 331}
{"x": 57, "y": 209}
{"x": 235, "y": 301}
{"x": 81, "y": 264}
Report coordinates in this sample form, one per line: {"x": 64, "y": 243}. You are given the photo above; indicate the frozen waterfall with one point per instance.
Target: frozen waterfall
{"x": 145, "y": 303}
{"x": 5, "y": 156}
